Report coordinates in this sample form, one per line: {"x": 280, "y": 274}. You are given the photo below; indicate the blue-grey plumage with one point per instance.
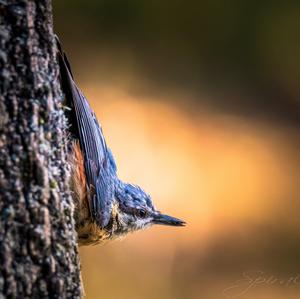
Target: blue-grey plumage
{"x": 106, "y": 207}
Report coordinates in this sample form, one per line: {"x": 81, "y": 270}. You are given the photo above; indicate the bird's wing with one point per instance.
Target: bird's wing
{"x": 98, "y": 161}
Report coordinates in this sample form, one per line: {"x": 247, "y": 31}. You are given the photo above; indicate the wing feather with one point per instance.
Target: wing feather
{"x": 97, "y": 157}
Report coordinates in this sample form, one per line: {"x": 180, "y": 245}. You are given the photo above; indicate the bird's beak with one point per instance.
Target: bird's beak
{"x": 167, "y": 220}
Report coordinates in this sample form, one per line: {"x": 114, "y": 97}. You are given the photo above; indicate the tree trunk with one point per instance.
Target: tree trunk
{"x": 38, "y": 251}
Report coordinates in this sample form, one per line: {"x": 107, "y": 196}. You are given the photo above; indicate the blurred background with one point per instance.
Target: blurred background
{"x": 200, "y": 103}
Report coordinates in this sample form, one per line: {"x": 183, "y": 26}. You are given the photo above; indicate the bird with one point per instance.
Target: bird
{"x": 106, "y": 208}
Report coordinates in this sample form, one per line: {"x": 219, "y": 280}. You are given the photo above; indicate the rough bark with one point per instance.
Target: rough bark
{"x": 38, "y": 252}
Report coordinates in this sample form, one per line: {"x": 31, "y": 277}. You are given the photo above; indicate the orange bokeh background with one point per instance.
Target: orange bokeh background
{"x": 234, "y": 180}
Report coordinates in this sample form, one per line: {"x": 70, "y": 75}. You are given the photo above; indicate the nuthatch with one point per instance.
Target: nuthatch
{"x": 105, "y": 207}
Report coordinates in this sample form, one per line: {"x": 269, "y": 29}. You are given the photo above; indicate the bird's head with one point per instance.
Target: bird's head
{"x": 136, "y": 211}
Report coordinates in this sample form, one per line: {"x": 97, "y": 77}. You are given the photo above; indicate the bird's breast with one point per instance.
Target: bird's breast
{"x": 90, "y": 233}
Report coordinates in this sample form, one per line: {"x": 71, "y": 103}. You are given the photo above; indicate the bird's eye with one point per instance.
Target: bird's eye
{"x": 142, "y": 213}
